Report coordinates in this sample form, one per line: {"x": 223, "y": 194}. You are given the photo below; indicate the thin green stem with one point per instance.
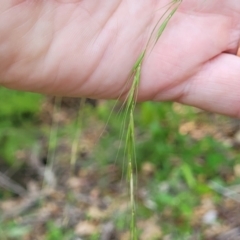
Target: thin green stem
{"x": 129, "y": 111}
{"x": 52, "y": 144}
{"x": 78, "y": 127}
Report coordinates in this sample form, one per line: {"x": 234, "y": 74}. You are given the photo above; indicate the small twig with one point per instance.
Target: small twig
{"x": 28, "y": 202}
{"x": 8, "y": 184}
{"x": 226, "y": 192}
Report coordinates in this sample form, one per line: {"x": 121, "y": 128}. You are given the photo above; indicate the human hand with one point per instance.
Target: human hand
{"x": 88, "y": 48}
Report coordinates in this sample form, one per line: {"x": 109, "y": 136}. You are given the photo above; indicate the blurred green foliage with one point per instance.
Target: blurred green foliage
{"x": 183, "y": 166}
{"x": 18, "y": 108}
{"x": 18, "y": 115}
{"x": 56, "y": 232}
{"x": 13, "y": 231}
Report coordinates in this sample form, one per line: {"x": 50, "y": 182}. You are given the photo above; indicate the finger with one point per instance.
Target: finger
{"x": 238, "y": 52}
{"x": 216, "y": 87}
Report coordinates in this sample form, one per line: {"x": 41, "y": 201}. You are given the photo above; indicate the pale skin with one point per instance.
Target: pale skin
{"x": 88, "y": 48}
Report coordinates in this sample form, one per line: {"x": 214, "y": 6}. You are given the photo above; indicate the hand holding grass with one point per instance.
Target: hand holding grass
{"x": 88, "y": 48}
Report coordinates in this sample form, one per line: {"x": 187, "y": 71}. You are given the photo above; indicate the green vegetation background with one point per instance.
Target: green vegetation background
{"x": 175, "y": 168}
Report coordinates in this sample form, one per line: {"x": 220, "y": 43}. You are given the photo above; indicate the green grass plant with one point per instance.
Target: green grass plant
{"x": 129, "y": 111}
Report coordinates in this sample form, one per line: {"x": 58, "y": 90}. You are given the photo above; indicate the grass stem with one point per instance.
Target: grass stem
{"x": 129, "y": 111}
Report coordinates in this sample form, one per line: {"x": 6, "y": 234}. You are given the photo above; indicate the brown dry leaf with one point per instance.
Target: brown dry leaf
{"x": 86, "y": 228}
{"x": 215, "y": 230}
{"x": 96, "y": 213}
{"x": 237, "y": 170}
{"x": 182, "y": 109}
{"x": 148, "y": 169}
{"x": 237, "y": 137}
{"x": 151, "y": 229}
{"x": 50, "y": 208}
{"x": 8, "y": 205}
{"x": 195, "y": 130}
{"x": 200, "y": 211}
{"x": 178, "y": 108}
{"x": 125, "y": 236}
{"x": 74, "y": 183}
